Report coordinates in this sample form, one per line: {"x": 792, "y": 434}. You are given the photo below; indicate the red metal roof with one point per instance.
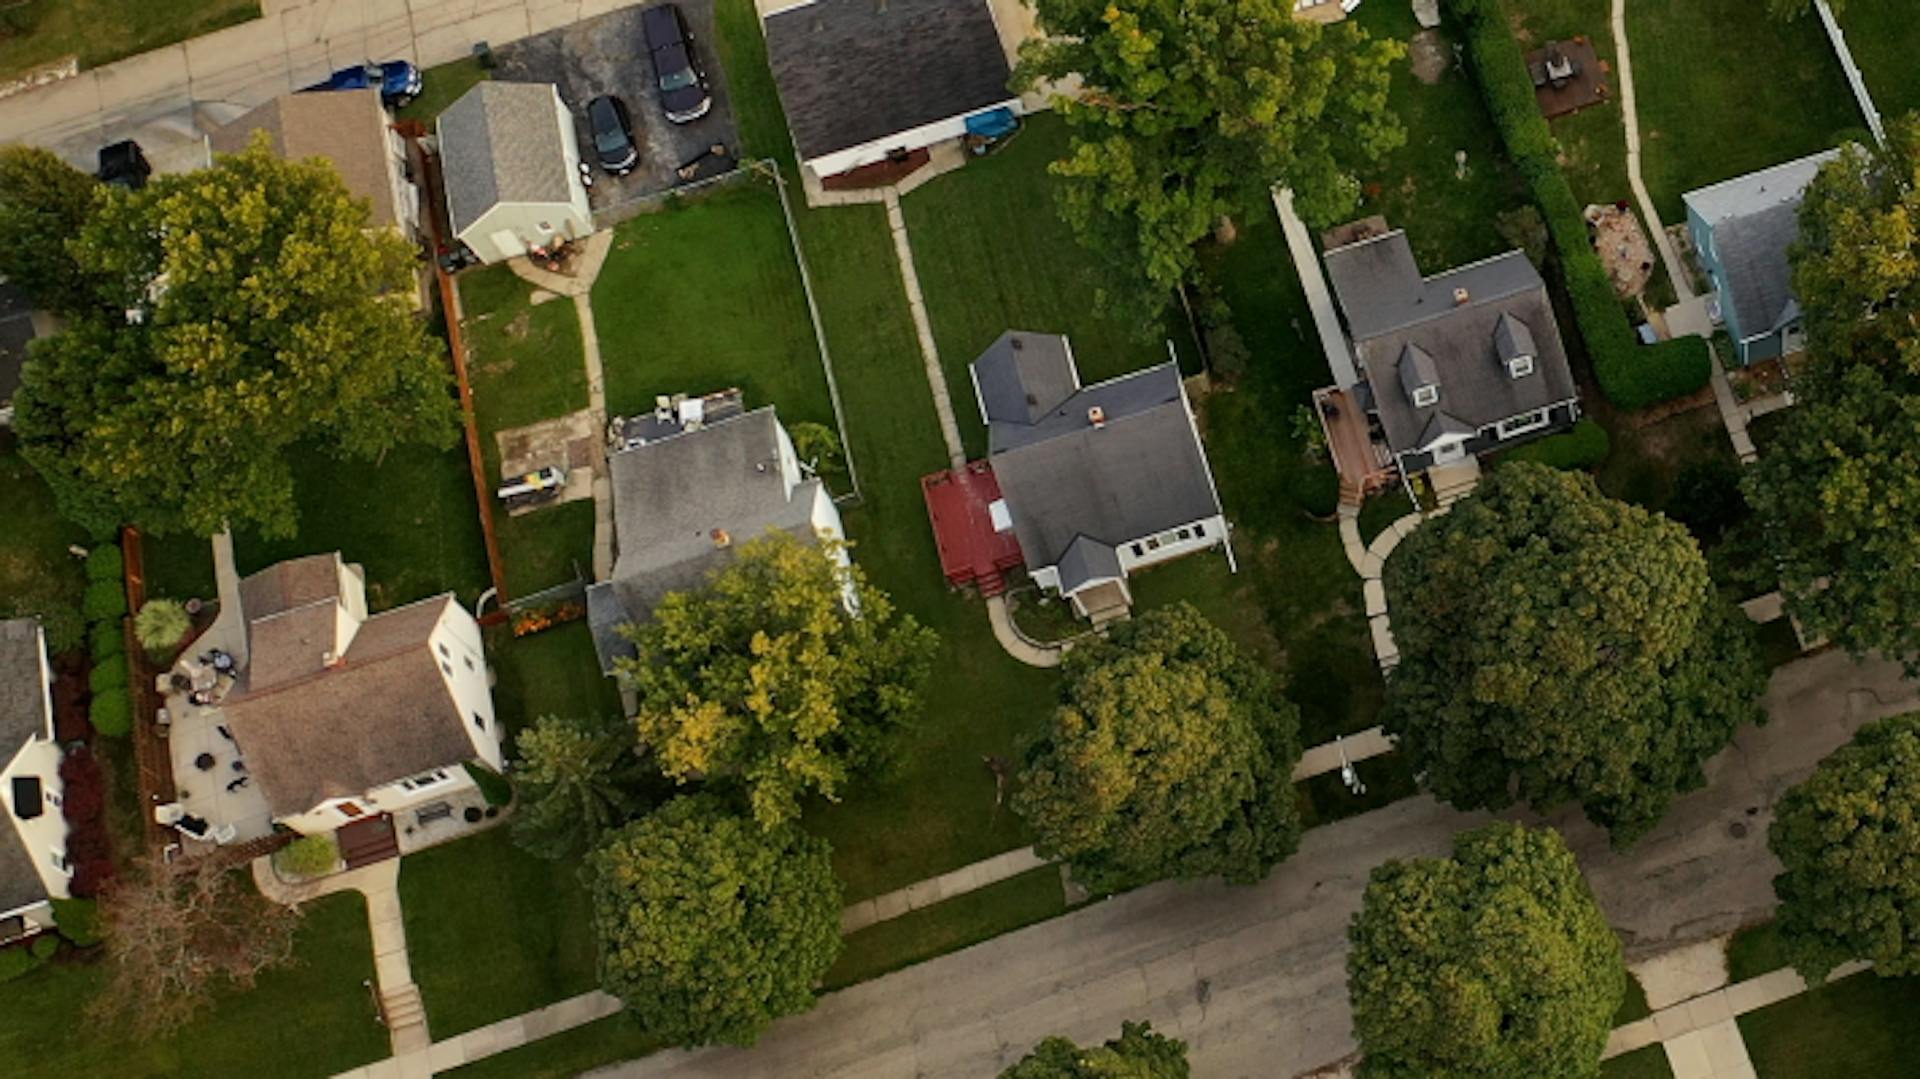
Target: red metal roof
{"x": 958, "y": 504}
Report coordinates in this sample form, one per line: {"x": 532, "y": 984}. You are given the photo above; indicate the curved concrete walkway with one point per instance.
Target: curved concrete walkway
{"x": 1368, "y": 560}
{"x": 1017, "y": 644}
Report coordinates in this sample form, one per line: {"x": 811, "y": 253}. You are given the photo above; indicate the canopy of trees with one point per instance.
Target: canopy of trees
{"x": 764, "y": 680}
{"x": 1559, "y": 645}
{"x": 1192, "y": 109}
{"x": 1849, "y": 839}
{"x": 1138, "y": 1053}
{"x": 1171, "y": 755}
{"x": 711, "y": 927}
{"x": 577, "y": 779}
{"x": 226, "y": 315}
{"x": 1495, "y": 962}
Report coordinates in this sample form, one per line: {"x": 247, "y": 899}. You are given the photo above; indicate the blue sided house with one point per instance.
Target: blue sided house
{"x": 1742, "y": 229}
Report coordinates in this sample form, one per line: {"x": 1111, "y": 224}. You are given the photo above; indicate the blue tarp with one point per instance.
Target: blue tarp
{"x": 993, "y": 123}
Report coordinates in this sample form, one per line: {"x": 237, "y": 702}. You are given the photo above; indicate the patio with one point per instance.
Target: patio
{"x": 210, "y": 776}
{"x": 1359, "y": 456}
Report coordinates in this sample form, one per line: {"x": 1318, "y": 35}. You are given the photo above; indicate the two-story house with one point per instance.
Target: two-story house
{"x": 1741, "y": 230}
{"x": 33, "y": 847}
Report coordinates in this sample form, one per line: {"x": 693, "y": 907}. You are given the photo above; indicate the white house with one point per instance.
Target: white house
{"x": 867, "y": 82}
{"x": 1100, "y": 480}
{"x": 348, "y": 128}
{"x": 689, "y": 482}
{"x": 510, "y": 163}
{"x": 33, "y": 851}
{"x": 340, "y": 716}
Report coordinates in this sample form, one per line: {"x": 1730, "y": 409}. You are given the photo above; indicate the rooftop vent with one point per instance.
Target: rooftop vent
{"x": 1461, "y": 296}
{"x": 720, "y": 538}
{"x": 1017, "y": 344}
{"x": 1097, "y": 416}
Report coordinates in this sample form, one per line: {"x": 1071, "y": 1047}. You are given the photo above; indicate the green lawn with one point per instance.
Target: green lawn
{"x": 561, "y": 1056}
{"x": 705, "y": 295}
{"x": 37, "y": 573}
{"x": 550, "y": 673}
{"x": 525, "y": 365}
{"x": 993, "y": 255}
{"x": 1723, "y": 91}
{"x": 1884, "y": 37}
{"x": 1860, "y": 1027}
{"x": 442, "y": 86}
{"x": 1593, "y": 143}
{"x": 102, "y": 31}
{"x": 1448, "y": 218}
{"x": 1644, "y": 459}
{"x": 1754, "y": 951}
{"x": 314, "y": 1018}
{"x": 493, "y": 931}
{"x": 1647, "y": 1063}
{"x": 919, "y": 935}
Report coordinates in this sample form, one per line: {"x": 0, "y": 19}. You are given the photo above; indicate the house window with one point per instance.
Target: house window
{"x": 1424, "y": 396}
{"x": 1139, "y": 551}
{"x": 469, "y": 662}
{"x": 1153, "y": 544}
{"x": 351, "y": 809}
{"x": 443, "y": 649}
{"x": 1200, "y": 531}
{"x": 446, "y": 669}
{"x": 1185, "y": 534}
{"x": 424, "y": 780}
{"x": 479, "y": 721}
{"x": 1521, "y": 424}
{"x": 1520, "y": 367}
{"x": 59, "y": 860}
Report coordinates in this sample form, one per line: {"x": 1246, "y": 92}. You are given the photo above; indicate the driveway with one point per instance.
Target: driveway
{"x": 608, "y": 55}
{"x": 1254, "y": 979}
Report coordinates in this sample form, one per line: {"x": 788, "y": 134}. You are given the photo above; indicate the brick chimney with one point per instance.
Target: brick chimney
{"x": 1097, "y": 416}
{"x": 1461, "y": 296}
{"x": 720, "y": 538}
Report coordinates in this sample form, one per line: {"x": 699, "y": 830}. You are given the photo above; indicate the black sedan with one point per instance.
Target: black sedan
{"x": 612, "y": 134}
{"x": 683, "y": 87}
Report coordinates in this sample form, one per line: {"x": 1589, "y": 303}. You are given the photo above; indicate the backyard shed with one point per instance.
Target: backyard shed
{"x": 511, "y": 162}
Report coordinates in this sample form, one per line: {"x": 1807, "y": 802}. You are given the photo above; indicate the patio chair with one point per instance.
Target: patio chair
{"x": 168, "y": 814}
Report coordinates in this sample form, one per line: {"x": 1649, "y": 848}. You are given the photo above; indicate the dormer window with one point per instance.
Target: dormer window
{"x": 1520, "y": 366}
{"x": 1513, "y": 344}
{"x": 1419, "y": 376}
{"x": 1426, "y": 396}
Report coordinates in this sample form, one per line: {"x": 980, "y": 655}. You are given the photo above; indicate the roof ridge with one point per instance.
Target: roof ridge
{"x": 365, "y": 661}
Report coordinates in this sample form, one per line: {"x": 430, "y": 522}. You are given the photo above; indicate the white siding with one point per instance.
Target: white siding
{"x": 389, "y": 798}
{"x": 465, "y": 671}
{"x": 525, "y": 220}
{"x": 1171, "y": 545}
{"x": 45, "y": 836}
{"x": 867, "y": 153}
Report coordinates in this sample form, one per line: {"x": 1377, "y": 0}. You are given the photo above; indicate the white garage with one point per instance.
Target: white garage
{"x": 511, "y": 167}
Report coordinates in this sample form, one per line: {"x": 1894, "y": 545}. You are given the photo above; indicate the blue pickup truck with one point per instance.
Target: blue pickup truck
{"x": 398, "y": 80}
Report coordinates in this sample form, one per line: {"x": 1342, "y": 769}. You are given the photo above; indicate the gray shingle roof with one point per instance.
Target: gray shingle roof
{"x": 670, "y": 496}
{"x": 1393, "y": 314}
{"x": 502, "y": 142}
{"x": 1022, "y": 376}
{"x": 1755, "y": 218}
{"x": 23, "y": 716}
{"x": 1139, "y": 473}
{"x": 1087, "y": 560}
{"x": 380, "y": 716}
{"x": 853, "y": 71}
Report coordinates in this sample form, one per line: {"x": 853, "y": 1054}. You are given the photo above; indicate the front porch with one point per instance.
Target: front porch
{"x": 1358, "y": 450}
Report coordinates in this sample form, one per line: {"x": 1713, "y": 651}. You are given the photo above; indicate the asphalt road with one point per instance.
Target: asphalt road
{"x": 1254, "y": 978}
{"x": 608, "y": 55}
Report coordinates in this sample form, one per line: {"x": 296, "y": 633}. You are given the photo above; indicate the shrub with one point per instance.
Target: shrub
{"x": 107, "y": 640}
{"x": 44, "y": 946}
{"x": 88, "y": 844}
{"x": 112, "y": 713}
{"x": 161, "y": 624}
{"x": 308, "y": 856}
{"x": 1316, "y": 490}
{"x": 89, "y": 878}
{"x": 1631, "y": 375}
{"x": 104, "y": 601}
{"x": 495, "y": 787}
{"x": 104, "y": 564}
{"x": 64, "y": 627}
{"x": 109, "y": 673}
{"x": 79, "y": 921}
{"x": 15, "y": 962}
{"x": 1581, "y": 448}
{"x": 84, "y": 794}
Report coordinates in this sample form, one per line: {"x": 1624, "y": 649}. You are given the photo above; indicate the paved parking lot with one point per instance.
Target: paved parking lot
{"x": 607, "y": 55}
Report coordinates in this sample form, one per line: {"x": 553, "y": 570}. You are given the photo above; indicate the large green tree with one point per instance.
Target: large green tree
{"x": 711, "y": 927}
{"x": 1170, "y": 755}
{"x": 1837, "y": 492}
{"x": 44, "y": 204}
{"x": 1189, "y": 110}
{"x": 236, "y": 311}
{"x": 1495, "y": 963}
{"x": 764, "y": 679}
{"x": 1849, "y": 840}
{"x": 1558, "y": 645}
{"x": 1138, "y": 1053}
{"x": 577, "y": 779}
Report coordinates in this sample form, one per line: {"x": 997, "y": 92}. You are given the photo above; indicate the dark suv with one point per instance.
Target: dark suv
{"x": 683, "y": 88}
{"x": 612, "y": 134}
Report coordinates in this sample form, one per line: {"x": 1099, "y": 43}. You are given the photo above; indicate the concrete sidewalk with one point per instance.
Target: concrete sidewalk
{"x": 295, "y": 43}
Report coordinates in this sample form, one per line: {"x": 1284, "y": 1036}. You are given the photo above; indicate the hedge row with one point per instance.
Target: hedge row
{"x": 1632, "y": 375}
{"x": 1581, "y": 448}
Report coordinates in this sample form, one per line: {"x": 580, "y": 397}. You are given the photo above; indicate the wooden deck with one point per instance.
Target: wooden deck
{"x": 1363, "y": 463}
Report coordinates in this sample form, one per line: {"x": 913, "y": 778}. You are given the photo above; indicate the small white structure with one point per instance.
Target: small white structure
{"x": 1099, "y": 480}
{"x": 341, "y": 716}
{"x": 33, "y": 850}
{"x": 510, "y": 163}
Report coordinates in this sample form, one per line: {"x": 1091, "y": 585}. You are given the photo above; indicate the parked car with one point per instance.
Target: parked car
{"x": 612, "y": 134}
{"x": 398, "y": 80}
{"x": 676, "y": 70}
{"x": 124, "y": 164}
